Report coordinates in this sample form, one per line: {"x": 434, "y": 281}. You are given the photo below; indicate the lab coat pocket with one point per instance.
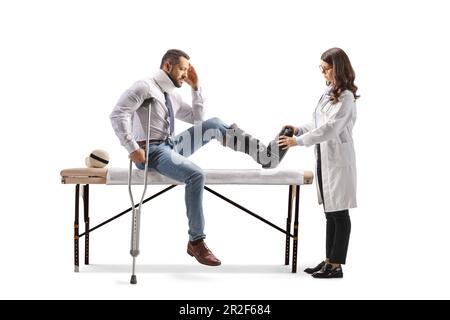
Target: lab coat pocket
{"x": 340, "y": 154}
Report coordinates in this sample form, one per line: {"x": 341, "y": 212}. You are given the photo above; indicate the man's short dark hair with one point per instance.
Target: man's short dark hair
{"x": 173, "y": 57}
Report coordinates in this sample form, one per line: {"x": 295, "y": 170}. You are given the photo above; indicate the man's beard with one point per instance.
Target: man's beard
{"x": 175, "y": 83}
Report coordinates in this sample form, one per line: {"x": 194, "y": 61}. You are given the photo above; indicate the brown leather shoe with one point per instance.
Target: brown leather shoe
{"x": 202, "y": 253}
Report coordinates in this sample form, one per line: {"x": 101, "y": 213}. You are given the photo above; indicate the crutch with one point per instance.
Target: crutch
{"x": 136, "y": 218}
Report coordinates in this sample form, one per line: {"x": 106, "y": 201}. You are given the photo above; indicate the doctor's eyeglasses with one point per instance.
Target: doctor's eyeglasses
{"x": 325, "y": 69}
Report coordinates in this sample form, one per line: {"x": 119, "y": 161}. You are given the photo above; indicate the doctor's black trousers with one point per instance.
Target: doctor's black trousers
{"x": 338, "y": 225}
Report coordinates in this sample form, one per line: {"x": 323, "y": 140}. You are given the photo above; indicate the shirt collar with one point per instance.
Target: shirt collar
{"x": 164, "y": 82}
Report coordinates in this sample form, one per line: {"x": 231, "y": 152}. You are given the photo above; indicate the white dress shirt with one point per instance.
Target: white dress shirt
{"x": 129, "y": 118}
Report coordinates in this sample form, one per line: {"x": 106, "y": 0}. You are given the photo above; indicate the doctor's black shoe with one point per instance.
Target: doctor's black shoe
{"x": 316, "y": 268}
{"x": 328, "y": 272}
{"x": 274, "y": 152}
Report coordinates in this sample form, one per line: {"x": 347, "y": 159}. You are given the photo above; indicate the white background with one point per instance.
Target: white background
{"x": 65, "y": 63}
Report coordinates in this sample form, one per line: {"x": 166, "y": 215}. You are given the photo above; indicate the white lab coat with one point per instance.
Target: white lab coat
{"x": 332, "y": 127}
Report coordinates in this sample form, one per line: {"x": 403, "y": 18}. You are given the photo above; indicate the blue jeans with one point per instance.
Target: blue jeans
{"x": 169, "y": 158}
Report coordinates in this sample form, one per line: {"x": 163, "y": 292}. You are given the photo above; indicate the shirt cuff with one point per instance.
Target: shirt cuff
{"x": 197, "y": 96}
{"x": 300, "y": 141}
{"x": 198, "y": 91}
{"x": 132, "y": 146}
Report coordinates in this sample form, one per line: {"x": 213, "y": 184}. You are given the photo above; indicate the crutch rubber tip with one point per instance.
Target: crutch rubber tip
{"x": 133, "y": 279}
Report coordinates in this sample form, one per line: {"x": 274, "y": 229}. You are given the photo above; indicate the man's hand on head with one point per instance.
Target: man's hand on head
{"x": 192, "y": 78}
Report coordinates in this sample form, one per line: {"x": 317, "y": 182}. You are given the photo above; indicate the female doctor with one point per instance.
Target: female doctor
{"x": 331, "y": 134}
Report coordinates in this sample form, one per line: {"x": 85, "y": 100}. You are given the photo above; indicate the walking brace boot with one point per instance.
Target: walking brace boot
{"x": 274, "y": 153}
{"x": 238, "y": 140}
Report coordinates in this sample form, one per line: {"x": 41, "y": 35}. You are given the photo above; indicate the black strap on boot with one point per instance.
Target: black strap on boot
{"x": 274, "y": 152}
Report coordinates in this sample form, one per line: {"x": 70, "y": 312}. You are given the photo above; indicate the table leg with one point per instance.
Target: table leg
{"x": 288, "y": 227}
{"x": 86, "y": 223}
{"x": 295, "y": 248}
{"x": 76, "y": 231}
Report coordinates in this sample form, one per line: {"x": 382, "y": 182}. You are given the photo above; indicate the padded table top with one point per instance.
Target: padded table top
{"x": 119, "y": 176}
